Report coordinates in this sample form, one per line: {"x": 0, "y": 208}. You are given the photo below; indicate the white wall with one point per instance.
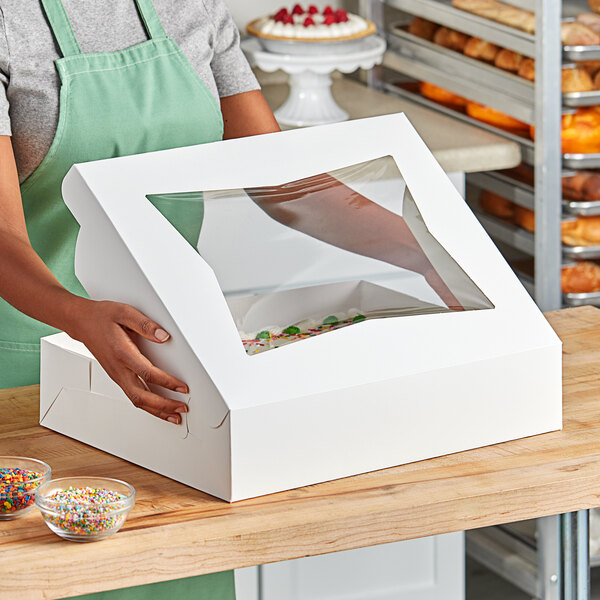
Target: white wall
{"x": 244, "y": 11}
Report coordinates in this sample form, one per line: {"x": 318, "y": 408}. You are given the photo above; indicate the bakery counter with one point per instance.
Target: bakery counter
{"x": 175, "y": 531}
{"x": 459, "y": 148}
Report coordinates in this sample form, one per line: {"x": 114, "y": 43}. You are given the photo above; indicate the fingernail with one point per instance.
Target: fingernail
{"x": 181, "y": 409}
{"x": 174, "y": 420}
{"x": 181, "y": 390}
{"x": 161, "y": 335}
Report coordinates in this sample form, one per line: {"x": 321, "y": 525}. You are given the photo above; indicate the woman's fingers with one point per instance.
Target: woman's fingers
{"x": 151, "y": 374}
{"x": 142, "y": 397}
{"x": 136, "y": 321}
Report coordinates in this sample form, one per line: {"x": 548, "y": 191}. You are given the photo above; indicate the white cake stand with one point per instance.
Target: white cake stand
{"x": 310, "y": 101}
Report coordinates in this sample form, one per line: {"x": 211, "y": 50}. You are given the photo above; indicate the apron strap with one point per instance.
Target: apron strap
{"x": 61, "y": 27}
{"x": 151, "y": 21}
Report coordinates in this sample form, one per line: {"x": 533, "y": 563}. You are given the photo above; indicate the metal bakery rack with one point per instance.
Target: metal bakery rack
{"x": 411, "y": 59}
{"x": 530, "y": 555}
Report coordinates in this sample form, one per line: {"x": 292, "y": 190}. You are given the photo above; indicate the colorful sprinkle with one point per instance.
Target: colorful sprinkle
{"x": 17, "y": 489}
{"x": 267, "y": 340}
{"x": 85, "y": 511}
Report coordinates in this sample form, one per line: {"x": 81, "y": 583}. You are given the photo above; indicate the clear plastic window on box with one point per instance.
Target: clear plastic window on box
{"x": 321, "y": 253}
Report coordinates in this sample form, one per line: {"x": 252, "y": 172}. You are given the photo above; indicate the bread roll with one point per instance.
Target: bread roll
{"x": 527, "y": 69}
{"x": 496, "y": 205}
{"x": 582, "y": 278}
{"x": 449, "y": 38}
{"x": 581, "y": 131}
{"x": 481, "y": 50}
{"x": 584, "y": 186}
{"x": 583, "y": 231}
{"x": 596, "y": 82}
{"x": 522, "y": 172}
{"x": 594, "y": 5}
{"x": 442, "y": 95}
{"x": 496, "y": 118}
{"x": 576, "y": 80}
{"x": 591, "y": 20}
{"x": 578, "y": 34}
{"x": 508, "y": 60}
{"x": 500, "y": 12}
{"x": 423, "y": 28}
{"x": 591, "y": 66}
{"x": 525, "y": 218}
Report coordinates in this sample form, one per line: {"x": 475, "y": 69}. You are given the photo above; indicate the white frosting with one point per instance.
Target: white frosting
{"x": 354, "y": 25}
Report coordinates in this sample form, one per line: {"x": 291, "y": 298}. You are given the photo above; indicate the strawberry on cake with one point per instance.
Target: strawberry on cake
{"x": 311, "y": 25}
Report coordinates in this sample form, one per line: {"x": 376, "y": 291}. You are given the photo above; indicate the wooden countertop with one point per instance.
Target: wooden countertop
{"x": 175, "y": 531}
{"x": 457, "y": 146}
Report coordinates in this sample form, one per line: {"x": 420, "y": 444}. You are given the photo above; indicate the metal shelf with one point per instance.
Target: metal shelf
{"x": 519, "y": 193}
{"x": 584, "y": 209}
{"x": 442, "y": 12}
{"x": 578, "y": 53}
{"x": 506, "y": 232}
{"x": 589, "y": 299}
{"x": 575, "y": 99}
{"x": 581, "y": 161}
{"x": 392, "y": 61}
{"x": 522, "y": 194}
{"x": 427, "y": 61}
{"x": 581, "y": 252}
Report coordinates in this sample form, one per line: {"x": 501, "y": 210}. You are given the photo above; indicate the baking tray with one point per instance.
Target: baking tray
{"x": 515, "y": 237}
{"x": 503, "y": 185}
{"x": 575, "y": 162}
{"x": 593, "y": 299}
{"x": 581, "y": 252}
{"x": 579, "y": 53}
{"x": 581, "y": 161}
{"x": 461, "y": 74}
{"x": 526, "y": 144}
{"x": 584, "y": 209}
{"x": 574, "y": 99}
{"x": 442, "y": 12}
{"x": 523, "y": 194}
{"x": 523, "y": 240}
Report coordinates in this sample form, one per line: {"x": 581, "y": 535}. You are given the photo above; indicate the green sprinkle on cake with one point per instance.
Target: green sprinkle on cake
{"x": 292, "y": 330}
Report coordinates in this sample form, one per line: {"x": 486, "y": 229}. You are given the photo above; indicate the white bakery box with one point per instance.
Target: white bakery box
{"x": 302, "y": 232}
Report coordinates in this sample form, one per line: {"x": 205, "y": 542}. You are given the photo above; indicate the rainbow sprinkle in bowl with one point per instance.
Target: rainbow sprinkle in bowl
{"x": 20, "y": 479}
{"x": 85, "y": 509}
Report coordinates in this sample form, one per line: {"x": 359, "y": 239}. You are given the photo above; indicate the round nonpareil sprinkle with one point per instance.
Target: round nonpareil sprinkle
{"x": 86, "y": 510}
{"x": 17, "y": 488}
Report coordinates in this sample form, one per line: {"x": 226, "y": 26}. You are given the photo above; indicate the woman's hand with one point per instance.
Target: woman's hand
{"x": 105, "y": 328}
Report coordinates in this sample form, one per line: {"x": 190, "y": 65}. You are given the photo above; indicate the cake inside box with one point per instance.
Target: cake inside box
{"x": 333, "y": 306}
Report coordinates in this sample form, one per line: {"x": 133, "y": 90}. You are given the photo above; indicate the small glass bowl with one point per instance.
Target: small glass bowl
{"x": 87, "y": 509}
{"x": 17, "y": 498}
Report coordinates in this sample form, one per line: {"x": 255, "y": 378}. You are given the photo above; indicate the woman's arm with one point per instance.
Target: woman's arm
{"x": 104, "y": 327}
{"x": 318, "y": 205}
{"x": 247, "y": 114}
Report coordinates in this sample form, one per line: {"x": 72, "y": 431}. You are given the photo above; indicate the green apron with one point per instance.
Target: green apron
{"x": 144, "y": 98}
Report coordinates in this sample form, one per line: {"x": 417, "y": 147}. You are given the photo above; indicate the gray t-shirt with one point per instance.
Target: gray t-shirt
{"x": 203, "y": 29}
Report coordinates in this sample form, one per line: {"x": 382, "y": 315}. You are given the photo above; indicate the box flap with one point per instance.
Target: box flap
{"x": 75, "y": 360}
